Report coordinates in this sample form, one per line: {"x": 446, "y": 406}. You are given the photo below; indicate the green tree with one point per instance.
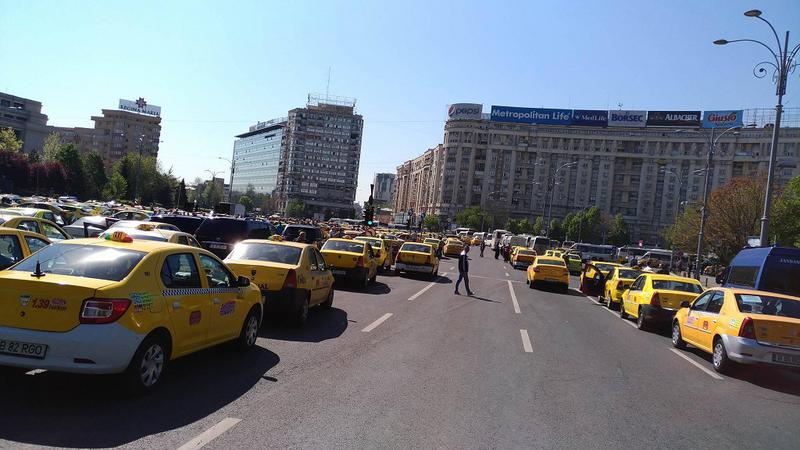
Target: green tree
{"x": 473, "y": 217}
{"x": 9, "y": 141}
{"x": 296, "y": 208}
{"x": 116, "y": 187}
{"x": 525, "y": 227}
{"x": 95, "y": 171}
{"x": 69, "y": 157}
{"x": 431, "y": 222}
{"x": 247, "y": 202}
{"x": 537, "y": 225}
{"x": 786, "y": 215}
{"x": 556, "y": 230}
{"x": 51, "y": 146}
{"x": 212, "y": 194}
{"x": 180, "y": 194}
{"x": 620, "y": 231}
{"x": 34, "y": 157}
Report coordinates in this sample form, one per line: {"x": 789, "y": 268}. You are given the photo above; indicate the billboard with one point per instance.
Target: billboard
{"x": 589, "y": 118}
{"x": 623, "y": 118}
{"x": 140, "y": 106}
{"x": 673, "y": 119}
{"x": 722, "y": 119}
{"x": 544, "y": 116}
{"x": 464, "y": 111}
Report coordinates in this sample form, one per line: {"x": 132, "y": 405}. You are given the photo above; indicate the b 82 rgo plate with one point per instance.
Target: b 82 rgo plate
{"x": 24, "y": 349}
{"x": 784, "y": 358}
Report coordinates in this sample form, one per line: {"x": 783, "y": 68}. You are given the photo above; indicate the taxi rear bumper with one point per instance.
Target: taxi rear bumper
{"x": 91, "y": 349}
{"x": 357, "y": 273}
{"x": 658, "y": 315}
{"x": 284, "y": 301}
{"x": 750, "y": 351}
{"x": 521, "y": 264}
{"x": 421, "y": 268}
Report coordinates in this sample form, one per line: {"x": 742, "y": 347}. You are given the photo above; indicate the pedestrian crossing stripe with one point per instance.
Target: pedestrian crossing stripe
{"x": 198, "y": 291}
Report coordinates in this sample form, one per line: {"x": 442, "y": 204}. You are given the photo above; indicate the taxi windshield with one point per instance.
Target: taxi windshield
{"x": 767, "y": 305}
{"x": 277, "y": 253}
{"x": 344, "y": 246}
{"x": 549, "y": 262}
{"x": 526, "y": 252}
{"x": 628, "y": 273}
{"x": 415, "y": 248}
{"x": 672, "y": 285}
{"x": 90, "y": 261}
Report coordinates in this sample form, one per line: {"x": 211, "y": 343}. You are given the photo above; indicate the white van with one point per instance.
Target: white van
{"x": 494, "y": 239}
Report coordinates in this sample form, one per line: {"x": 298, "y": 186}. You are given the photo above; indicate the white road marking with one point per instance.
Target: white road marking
{"x": 453, "y": 268}
{"x": 628, "y": 322}
{"x": 513, "y": 297}
{"x": 506, "y": 273}
{"x": 375, "y": 324}
{"x": 422, "y": 291}
{"x": 526, "y": 341}
{"x": 35, "y": 372}
{"x": 210, "y": 434}
{"x": 696, "y": 364}
{"x": 496, "y": 279}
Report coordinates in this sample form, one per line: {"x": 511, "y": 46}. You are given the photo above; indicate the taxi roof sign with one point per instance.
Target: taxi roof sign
{"x": 119, "y": 236}
{"x": 146, "y": 227}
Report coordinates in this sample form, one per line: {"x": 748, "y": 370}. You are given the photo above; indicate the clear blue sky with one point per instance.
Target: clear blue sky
{"x": 217, "y": 67}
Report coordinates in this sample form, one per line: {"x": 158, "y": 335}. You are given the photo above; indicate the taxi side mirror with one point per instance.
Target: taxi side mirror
{"x": 242, "y": 281}
{"x": 684, "y": 304}
{"x": 626, "y": 292}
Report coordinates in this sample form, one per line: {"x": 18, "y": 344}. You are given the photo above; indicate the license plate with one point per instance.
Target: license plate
{"x": 417, "y": 268}
{"x": 783, "y": 358}
{"x": 24, "y": 349}
{"x": 338, "y": 272}
{"x": 218, "y": 246}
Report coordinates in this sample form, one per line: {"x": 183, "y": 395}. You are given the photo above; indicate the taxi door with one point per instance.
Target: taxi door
{"x": 186, "y": 300}
{"x": 373, "y": 264}
{"x": 228, "y": 307}
{"x": 593, "y": 281}
{"x": 707, "y": 323}
{"x": 630, "y": 301}
{"x": 323, "y": 278}
{"x": 694, "y": 318}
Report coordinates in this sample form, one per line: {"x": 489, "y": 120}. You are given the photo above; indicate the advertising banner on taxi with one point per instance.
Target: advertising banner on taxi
{"x": 589, "y": 118}
{"x": 543, "y": 116}
{"x": 723, "y": 119}
{"x": 624, "y": 118}
{"x": 673, "y": 119}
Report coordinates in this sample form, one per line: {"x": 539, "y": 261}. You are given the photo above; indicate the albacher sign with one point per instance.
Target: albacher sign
{"x": 140, "y": 106}
{"x": 464, "y": 111}
{"x": 542, "y": 116}
{"x": 627, "y": 118}
{"x": 722, "y": 119}
{"x": 673, "y": 119}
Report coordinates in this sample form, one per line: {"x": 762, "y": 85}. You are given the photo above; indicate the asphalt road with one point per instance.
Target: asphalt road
{"x": 396, "y": 367}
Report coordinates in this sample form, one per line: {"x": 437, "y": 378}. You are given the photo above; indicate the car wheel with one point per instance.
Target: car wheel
{"x": 328, "y": 303}
{"x": 622, "y": 313}
{"x": 146, "y": 369}
{"x": 397, "y": 272}
{"x": 641, "y": 322}
{"x": 609, "y": 303}
{"x": 722, "y": 363}
{"x": 249, "y": 334}
{"x": 531, "y": 284}
{"x": 365, "y": 283}
{"x": 677, "y": 339}
{"x": 302, "y": 314}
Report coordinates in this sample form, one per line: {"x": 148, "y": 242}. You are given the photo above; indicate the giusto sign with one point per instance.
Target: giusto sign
{"x": 542, "y": 116}
{"x": 673, "y": 118}
{"x": 722, "y": 119}
{"x": 589, "y": 118}
{"x": 140, "y": 106}
{"x": 464, "y": 111}
{"x": 623, "y": 118}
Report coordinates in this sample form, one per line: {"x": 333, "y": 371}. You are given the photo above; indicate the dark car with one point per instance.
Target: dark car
{"x": 220, "y": 234}
{"x": 313, "y": 233}
{"x": 187, "y": 224}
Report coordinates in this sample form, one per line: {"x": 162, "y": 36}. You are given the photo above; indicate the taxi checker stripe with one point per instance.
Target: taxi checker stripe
{"x": 197, "y": 291}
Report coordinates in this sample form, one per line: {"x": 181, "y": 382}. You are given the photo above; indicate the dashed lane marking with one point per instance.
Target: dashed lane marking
{"x": 375, "y": 324}
{"x": 495, "y": 279}
{"x": 628, "y": 322}
{"x": 526, "y": 341}
{"x": 210, "y": 434}
{"x": 513, "y": 297}
{"x": 35, "y": 372}
{"x": 697, "y": 364}
{"x": 453, "y": 268}
{"x": 430, "y": 285}
{"x": 506, "y": 273}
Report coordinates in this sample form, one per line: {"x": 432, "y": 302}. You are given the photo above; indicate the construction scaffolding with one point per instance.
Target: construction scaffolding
{"x": 761, "y": 117}
{"x": 326, "y": 99}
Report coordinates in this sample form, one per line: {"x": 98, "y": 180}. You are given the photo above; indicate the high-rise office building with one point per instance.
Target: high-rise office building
{"x": 25, "y": 118}
{"x": 320, "y": 157}
{"x": 384, "y": 188}
{"x": 256, "y": 157}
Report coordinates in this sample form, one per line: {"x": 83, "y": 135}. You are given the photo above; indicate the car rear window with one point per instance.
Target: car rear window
{"x": 312, "y": 233}
{"x": 549, "y": 262}
{"x": 344, "y": 246}
{"x": 628, "y": 273}
{"x": 277, "y": 253}
{"x": 415, "y": 248}
{"x": 672, "y": 285}
{"x": 768, "y": 305}
{"x": 375, "y": 243}
{"x": 227, "y": 230}
{"x": 90, "y": 261}
{"x": 187, "y": 224}
{"x": 526, "y": 252}
{"x": 605, "y": 267}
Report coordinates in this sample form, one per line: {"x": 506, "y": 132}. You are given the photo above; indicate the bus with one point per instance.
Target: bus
{"x": 540, "y": 244}
{"x": 625, "y": 252}
{"x": 594, "y": 252}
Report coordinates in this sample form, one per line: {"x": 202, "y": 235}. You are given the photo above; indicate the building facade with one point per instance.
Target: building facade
{"x": 320, "y": 157}
{"x": 513, "y": 169}
{"x": 25, "y": 118}
{"x": 256, "y": 157}
{"x": 415, "y": 186}
{"x": 117, "y": 133}
{"x": 383, "y": 191}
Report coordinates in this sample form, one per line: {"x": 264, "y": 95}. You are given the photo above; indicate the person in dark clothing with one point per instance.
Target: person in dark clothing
{"x": 483, "y": 247}
{"x": 496, "y": 251}
{"x": 301, "y": 237}
{"x": 463, "y": 271}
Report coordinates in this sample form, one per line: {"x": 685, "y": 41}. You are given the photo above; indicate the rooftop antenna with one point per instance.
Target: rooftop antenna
{"x": 620, "y": 106}
{"x": 328, "y": 86}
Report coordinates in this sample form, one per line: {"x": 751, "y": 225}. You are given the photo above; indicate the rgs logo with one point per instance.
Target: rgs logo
{"x": 457, "y": 110}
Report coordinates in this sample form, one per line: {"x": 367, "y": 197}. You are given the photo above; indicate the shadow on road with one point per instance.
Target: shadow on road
{"x": 376, "y": 288}
{"x": 772, "y": 378}
{"x": 67, "y": 410}
{"x": 322, "y": 324}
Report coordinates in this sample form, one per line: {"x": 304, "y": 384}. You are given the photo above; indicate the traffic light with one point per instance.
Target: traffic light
{"x": 369, "y": 216}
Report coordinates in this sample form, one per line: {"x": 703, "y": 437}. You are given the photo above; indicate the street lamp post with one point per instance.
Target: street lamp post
{"x": 552, "y": 186}
{"x": 233, "y": 168}
{"x": 784, "y": 64}
{"x": 138, "y": 169}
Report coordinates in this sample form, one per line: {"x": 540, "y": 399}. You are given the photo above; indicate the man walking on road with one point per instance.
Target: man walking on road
{"x": 483, "y": 247}
{"x": 463, "y": 271}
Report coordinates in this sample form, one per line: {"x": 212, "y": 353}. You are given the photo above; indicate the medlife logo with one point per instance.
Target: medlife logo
{"x": 465, "y": 111}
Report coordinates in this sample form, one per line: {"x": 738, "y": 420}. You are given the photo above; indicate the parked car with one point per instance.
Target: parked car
{"x": 314, "y": 233}
{"x": 187, "y": 224}
{"x": 16, "y": 245}
{"x": 220, "y": 234}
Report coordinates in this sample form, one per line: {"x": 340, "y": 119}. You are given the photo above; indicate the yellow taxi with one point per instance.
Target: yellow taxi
{"x": 591, "y": 271}
{"x": 381, "y": 249}
{"x": 16, "y": 245}
{"x": 654, "y": 298}
{"x": 548, "y": 270}
{"x": 522, "y": 257}
{"x": 432, "y": 241}
{"x": 350, "y": 259}
{"x": 37, "y": 225}
{"x": 34, "y": 212}
{"x": 417, "y": 257}
{"x": 616, "y": 281}
{"x": 150, "y": 232}
{"x": 292, "y": 276}
{"x": 121, "y": 306}
{"x": 61, "y": 215}
{"x": 554, "y": 253}
{"x": 741, "y": 326}
{"x": 476, "y": 240}
{"x": 453, "y": 247}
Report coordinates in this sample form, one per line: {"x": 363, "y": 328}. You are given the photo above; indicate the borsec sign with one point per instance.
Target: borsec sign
{"x": 627, "y": 118}
{"x": 464, "y": 111}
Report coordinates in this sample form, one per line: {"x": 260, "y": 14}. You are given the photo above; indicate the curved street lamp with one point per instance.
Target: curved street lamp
{"x": 233, "y": 168}
{"x": 783, "y": 63}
